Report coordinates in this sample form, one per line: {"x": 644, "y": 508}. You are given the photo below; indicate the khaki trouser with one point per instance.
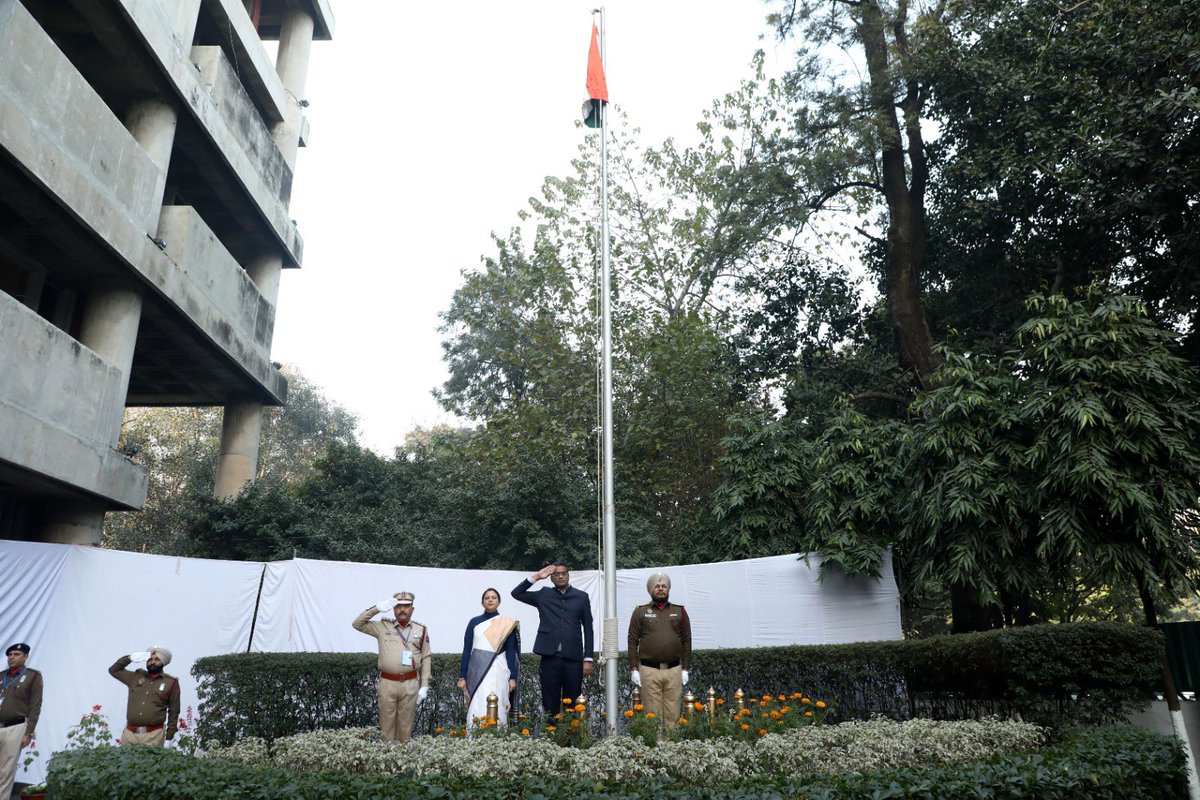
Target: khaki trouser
{"x": 153, "y": 738}
{"x": 10, "y": 749}
{"x": 661, "y": 691}
{"x": 397, "y": 707}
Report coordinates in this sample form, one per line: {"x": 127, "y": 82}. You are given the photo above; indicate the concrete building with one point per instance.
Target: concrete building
{"x": 146, "y": 158}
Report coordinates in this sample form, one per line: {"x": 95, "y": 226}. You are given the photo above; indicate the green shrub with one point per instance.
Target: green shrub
{"x": 1082, "y": 764}
{"x": 1050, "y": 674}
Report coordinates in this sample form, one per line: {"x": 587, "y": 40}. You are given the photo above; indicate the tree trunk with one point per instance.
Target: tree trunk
{"x": 968, "y": 613}
{"x": 904, "y": 192}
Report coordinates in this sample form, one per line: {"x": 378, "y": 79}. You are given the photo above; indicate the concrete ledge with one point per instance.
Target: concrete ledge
{"x": 62, "y": 132}
{"x": 253, "y": 64}
{"x": 210, "y": 282}
{"x": 240, "y": 114}
{"x": 261, "y": 186}
{"x": 57, "y": 401}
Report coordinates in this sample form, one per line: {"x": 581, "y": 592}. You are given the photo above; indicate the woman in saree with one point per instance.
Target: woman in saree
{"x": 490, "y": 661}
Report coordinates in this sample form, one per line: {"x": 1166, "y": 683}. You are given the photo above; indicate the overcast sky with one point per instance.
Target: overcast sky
{"x": 432, "y": 125}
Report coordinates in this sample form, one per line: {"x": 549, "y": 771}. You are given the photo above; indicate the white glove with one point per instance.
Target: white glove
{"x": 385, "y": 606}
{"x": 683, "y": 677}
{"x": 140, "y": 655}
{"x": 422, "y": 693}
{"x": 636, "y": 677}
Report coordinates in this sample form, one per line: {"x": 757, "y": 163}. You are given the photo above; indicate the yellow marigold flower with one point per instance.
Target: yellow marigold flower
{"x": 628, "y": 714}
{"x": 698, "y": 705}
{"x": 764, "y": 714}
{"x": 574, "y": 723}
{"x": 808, "y": 713}
{"x": 558, "y": 716}
{"x": 796, "y": 695}
{"x": 637, "y": 707}
{"x": 745, "y": 727}
{"x": 580, "y": 708}
{"x": 650, "y": 715}
{"x": 551, "y": 728}
{"x": 775, "y": 715}
{"x": 766, "y": 698}
{"x": 520, "y": 716}
{"x": 820, "y": 704}
{"x": 806, "y": 701}
{"x": 567, "y": 701}
{"x": 682, "y": 720}
{"x": 524, "y": 731}
{"x": 762, "y": 731}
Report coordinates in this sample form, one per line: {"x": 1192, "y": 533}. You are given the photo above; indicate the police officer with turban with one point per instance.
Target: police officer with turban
{"x": 153, "y": 710}
{"x": 660, "y": 649}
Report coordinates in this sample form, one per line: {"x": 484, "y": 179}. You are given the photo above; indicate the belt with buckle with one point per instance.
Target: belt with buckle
{"x": 143, "y": 728}
{"x": 402, "y": 676}
{"x": 660, "y": 664}
{"x": 11, "y": 722}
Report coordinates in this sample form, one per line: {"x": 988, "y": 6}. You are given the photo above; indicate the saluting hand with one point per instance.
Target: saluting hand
{"x": 543, "y": 573}
{"x": 140, "y": 655}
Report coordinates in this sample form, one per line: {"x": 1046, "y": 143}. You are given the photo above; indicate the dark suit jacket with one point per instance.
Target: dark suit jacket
{"x": 562, "y": 616}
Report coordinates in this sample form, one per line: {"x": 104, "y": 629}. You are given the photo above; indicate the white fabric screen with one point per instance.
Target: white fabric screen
{"x": 81, "y": 608}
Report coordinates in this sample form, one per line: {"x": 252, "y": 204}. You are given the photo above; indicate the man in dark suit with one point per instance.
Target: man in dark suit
{"x": 564, "y": 637}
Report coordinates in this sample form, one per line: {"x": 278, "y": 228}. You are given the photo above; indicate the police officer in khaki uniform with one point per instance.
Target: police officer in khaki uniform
{"x": 153, "y": 697}
{"x": 660, "y": 649}
{"x": 404, "y": 663}
{"x": 20, "y": 707}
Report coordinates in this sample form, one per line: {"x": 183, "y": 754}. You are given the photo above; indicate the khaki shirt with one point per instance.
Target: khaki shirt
{"x": 22, "y": 697}
{"x": 660, "y": 634}
{"x": 395, "y": 641}
{"x": 151, "y": 700}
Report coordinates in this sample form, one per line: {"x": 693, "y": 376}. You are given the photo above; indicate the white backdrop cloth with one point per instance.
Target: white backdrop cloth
{"x": 81, "y": 608}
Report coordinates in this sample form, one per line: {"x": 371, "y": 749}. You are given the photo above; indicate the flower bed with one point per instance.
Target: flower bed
{"x": 799, "y": 752}
{"x": 1079, "y": 764}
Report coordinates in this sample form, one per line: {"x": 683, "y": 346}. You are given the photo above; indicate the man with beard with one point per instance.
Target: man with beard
{"x": 20, "y": 707}
{"x": 404, "y": 664}
{"x": 153, "y": 697}
{"x": 660, "y": 648}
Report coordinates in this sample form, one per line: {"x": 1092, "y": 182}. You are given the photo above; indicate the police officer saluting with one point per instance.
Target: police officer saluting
{"x": 660, "y": 648}
{"x": 404, "y": 664}
{"x": 20, "y": 707}
{"x": 153, "y": 697}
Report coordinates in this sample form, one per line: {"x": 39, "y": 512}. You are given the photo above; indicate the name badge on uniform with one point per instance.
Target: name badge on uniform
{"x": 162, "y": 687}
{"x": 650, "y": 615}
{"x": 406, "y": 658}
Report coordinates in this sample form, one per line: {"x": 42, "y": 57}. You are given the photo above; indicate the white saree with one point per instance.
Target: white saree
{"x": 487, "y": 670}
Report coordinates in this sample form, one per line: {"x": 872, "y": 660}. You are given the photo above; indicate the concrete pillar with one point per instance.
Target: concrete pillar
{"x": 184, "y": 16}
{"x": 295, "y": 42}
{"x": 74, "y": 523}
{"x": 237, "y": 463}
{"x": 109, "y": 327}
{"x": 152, "y": 123}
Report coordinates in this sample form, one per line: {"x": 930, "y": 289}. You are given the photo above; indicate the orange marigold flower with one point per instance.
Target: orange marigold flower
{"x": 698, "y": 705}
{"x": 796, "y": 695}
{"x": 782, "y": 698}
{"x": 808, "y": 713}
{"x": 650, "y": 715}
{"x": 524, "y": 731}
{"x": 806, "y": 701}
{"x": 785, "y": 709}
{"x": 558, "y": 716}
{"x": 574, "y": 723}
{"x": 437, "y": 730}
{"x": 766, "y": 698}
{"x": 637, "y": 707}
{"x": 580, "y": 708}
{"x": 628, "y": 714}
{"x": 551, "y": 728}
{"x": 745, "y": 727}
{"x": 567, "y": 701}
{"x": 775, "y": 715}
{"x": 820, "y": 704}
{"x": 720, "y": 701}
{"x": 762, "y": 731}
{"x": 683, "y": 720}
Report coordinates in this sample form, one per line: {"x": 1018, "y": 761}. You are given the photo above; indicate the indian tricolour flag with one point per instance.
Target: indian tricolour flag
{"x": 597, "y": 88}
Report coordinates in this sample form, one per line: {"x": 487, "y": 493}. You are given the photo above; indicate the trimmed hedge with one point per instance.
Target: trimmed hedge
{"x": 1050, "y": 674}
{"x": 1097, "y": 764}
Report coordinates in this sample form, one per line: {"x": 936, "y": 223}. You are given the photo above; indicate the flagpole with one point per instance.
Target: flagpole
{"x": 609, "y": 641}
